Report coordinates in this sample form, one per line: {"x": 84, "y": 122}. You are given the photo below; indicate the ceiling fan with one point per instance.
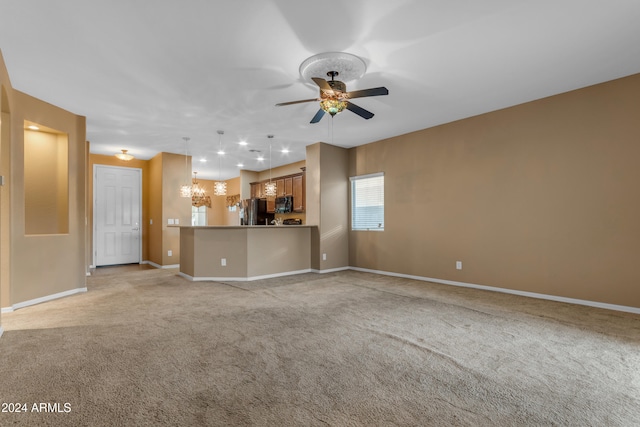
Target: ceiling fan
{"x": 334, "y": 98}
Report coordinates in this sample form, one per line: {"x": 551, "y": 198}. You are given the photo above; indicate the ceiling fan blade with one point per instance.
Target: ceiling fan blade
{"x": 376, "y": 91}
{"x": 359, "y": 110}
{"x": 296, "y": 102}
{"x": 322, "y": 83}
{"x": 318, "y": 116}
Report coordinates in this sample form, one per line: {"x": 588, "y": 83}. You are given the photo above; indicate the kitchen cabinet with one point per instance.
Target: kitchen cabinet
{"x": 256, "y": 190}
{"x": 280, "y": 187}
{"x": 292, "y": 185}
{"x": 288, "y": 186}
{"x": 298, "y": 193}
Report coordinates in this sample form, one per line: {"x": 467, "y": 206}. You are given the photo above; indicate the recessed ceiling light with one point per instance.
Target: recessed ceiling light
{"x": 221, "y": 152}
{"x": 261, "y": 159}
{"x": 240, "y": 165}
{"x": 243, "y": 143}
{"x": 203, "y": 160}
{"x": 285, "y": 151}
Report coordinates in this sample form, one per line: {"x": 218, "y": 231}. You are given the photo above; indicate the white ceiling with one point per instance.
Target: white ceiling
{"x": 147, "y": 73}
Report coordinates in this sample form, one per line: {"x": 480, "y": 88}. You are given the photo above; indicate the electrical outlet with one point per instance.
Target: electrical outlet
{"x": 324, "y": 257}
{"x": 223, "y": 262}
{"x": 169, "y": 252}
{"x": 458, "y": 265}
{"x": 170, "y": 221}
{"x": 177, "y": 221}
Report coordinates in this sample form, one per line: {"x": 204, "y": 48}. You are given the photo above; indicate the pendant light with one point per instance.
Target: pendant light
{"x": 270, "y": 187}
{"x": 198, "y": 194}
{"x": 186, "y": 189}
{"x": 220, "y": 187}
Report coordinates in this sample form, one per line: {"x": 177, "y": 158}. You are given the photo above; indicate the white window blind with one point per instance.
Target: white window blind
{"x": 367, "y": 202}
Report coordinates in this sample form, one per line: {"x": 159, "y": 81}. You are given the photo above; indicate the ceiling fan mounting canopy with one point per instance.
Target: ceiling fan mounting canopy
{"x": 336, "y": 85}
{"x": 350, "y": 67}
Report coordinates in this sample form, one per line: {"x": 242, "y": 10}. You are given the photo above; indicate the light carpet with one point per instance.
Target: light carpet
{"x": 147, "y": 347}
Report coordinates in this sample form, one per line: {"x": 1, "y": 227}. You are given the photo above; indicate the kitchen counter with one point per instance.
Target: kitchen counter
{"x": 244, "y": 252}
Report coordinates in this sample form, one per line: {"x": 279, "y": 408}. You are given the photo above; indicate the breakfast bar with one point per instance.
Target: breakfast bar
{"x": 245, "y": 252}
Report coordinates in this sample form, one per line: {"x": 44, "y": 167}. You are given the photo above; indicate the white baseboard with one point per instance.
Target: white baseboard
{"x": 242, "y": 279}
{"x": 330, "y": 270}
{"x": 153, "y": 264}
{"x": 596, "y": 304}
{"x": 40, "y": 300}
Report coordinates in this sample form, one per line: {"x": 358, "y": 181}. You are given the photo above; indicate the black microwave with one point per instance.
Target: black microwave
{"x": 284, "y": 204}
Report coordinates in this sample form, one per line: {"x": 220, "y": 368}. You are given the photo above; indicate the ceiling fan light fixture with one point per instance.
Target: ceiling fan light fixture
{"x": 333, "y": 106}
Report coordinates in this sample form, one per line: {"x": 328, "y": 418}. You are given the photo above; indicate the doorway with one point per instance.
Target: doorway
{"x": 117, "y": 215}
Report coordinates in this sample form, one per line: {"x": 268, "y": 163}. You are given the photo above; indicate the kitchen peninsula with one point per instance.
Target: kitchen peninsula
{"x": 244, "y": 252}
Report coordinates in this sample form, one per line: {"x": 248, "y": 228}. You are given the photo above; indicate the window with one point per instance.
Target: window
{"x": 198, "y": 215}
{"x": 367, "y": 202}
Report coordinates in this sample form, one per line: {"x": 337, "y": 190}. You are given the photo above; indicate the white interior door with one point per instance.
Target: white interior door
{"x": 117, "y": 215}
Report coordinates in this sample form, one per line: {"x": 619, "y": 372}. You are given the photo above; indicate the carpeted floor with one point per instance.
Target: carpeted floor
{"x": 147, "y": 347}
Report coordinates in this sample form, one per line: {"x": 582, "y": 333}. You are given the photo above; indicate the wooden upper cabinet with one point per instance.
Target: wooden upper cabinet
{"x": 292, "y": 185}
{"x": 256, "y": 190}
{"x": 288, "y": 186}
{"x": 298, "y": 193}
{"x": 280, "y": 187}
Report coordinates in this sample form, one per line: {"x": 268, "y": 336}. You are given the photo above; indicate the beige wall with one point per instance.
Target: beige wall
{"x": 44, "y": 265}
{"x": 167, "y": 172}
{"x": 174, "y": 206}
{"x": 540, "y": 197}
{"x": 249, "y": 252}
{"x": 46, "y": 206}
{"x": 5, "y": 145}
{"x": 155, "y": 210}
{"x": 327, "y": 197}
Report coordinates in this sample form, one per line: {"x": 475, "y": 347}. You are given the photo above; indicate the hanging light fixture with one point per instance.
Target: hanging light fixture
{"x": 220, "y": 187}
{"x": 186, "y": 189}
{"x": 270, "y": 187}
{"x": 198, "y": 194}
{"x": 124, "y": 156}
